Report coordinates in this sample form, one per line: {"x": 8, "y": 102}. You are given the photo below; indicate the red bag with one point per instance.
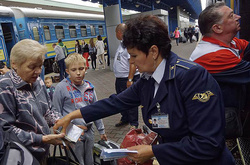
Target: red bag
{"x": 136, "y": 137}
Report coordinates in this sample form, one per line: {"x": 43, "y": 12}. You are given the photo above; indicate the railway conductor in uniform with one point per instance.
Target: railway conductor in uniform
{"x": 181, "y": 95}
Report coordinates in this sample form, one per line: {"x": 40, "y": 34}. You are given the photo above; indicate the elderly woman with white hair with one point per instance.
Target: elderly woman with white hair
{"x": 25, "y": 107}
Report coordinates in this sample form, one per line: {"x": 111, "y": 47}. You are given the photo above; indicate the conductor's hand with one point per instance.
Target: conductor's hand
{"x": 82, "y": 127}
{"x": 53, "y": 138}
{"x": 145, "y": 152}
{"x": 104, "y": 137}
{"x": 63, "y": 122}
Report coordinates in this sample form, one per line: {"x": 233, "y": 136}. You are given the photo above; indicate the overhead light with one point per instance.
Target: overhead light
{"x": 136, "y": 5}
{"x": 187, "y": 12}
{"x": 171, "y": 8}
{"x": 158, "y": 1}
{"x": 184, "y": 9}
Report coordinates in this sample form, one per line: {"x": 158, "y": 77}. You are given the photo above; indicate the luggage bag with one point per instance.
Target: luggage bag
{"x": 98, "y": 147}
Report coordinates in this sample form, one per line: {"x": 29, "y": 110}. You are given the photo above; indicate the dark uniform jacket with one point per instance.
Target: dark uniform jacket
{"x": 193, "y": 101}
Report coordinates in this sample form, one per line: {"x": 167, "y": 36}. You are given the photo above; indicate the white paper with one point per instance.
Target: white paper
{"x": 73, "y": 133}
{"x": 120, "y": 150}
{"x": 110, "y": 154}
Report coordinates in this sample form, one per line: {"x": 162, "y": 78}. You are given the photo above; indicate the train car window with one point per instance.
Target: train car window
{"x": 35, "y": 33}
{"x": 59, "y": 32}
{"x": 100, "y": 28}
{"x": 46, "y": 33}
{"x": 83, "y": 31}
{"x": 72, "y": 31}
{"x": 92, "y": 30}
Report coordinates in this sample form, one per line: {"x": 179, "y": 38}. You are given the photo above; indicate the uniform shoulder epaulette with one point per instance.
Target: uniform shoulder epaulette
{"x": 185, "y": 63}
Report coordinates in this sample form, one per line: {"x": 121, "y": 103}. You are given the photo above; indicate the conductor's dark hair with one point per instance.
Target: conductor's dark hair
{"x": 144, "y": 31}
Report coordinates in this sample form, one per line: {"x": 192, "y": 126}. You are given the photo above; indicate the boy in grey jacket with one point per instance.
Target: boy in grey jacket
{"x": 73, "y": 93}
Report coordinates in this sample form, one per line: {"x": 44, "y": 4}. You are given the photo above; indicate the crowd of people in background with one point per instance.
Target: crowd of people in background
{"x": 92, "y": 51}
{"x": 190, "y": 34}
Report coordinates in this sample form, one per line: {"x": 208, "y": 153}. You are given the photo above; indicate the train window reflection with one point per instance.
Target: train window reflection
{"x": 100, "y": 28}
{"x": 92, "y": 30}
{"x": 46, "y": 33}
{"x": 72, "y": 31}
{"x": 59, "y": 32}
{"x": 35, "y": 33}
{"x": 83, "y": 31}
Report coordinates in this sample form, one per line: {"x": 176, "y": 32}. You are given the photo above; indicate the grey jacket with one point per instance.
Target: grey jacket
{"x": 69, "y": 97}
{"x": 27, "y": 111}
{"x": 59, "y": 53}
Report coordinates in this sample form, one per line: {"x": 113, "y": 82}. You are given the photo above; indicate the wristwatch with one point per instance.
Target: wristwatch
{"x": 130, "y": 80}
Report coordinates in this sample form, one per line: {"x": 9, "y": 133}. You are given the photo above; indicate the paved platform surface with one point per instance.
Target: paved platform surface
{"x": 104, "y": 82}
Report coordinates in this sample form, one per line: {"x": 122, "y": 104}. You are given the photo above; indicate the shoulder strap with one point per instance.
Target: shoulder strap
{"x": 66, "y": 153}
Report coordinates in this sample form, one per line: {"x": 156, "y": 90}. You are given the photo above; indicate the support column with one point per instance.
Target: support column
{"x": 113, "y": 17}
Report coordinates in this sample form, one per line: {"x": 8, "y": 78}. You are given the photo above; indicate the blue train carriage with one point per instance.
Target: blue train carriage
{"x": 8, "y": 34}
{"x": 47, "y": 26}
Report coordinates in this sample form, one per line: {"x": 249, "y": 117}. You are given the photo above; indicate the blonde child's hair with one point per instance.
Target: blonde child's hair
{"x": 48, "y": 78}
{"x": 74, "y": 57}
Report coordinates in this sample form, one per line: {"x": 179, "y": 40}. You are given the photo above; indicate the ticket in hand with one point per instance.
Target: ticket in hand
{"x": 73, "y": 132}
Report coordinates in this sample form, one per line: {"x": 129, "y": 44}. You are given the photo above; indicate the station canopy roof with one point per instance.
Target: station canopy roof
{"x": 192, "y": 7}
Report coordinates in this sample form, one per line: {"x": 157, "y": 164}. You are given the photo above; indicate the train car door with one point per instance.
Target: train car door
{"x": 9, "y": 39}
